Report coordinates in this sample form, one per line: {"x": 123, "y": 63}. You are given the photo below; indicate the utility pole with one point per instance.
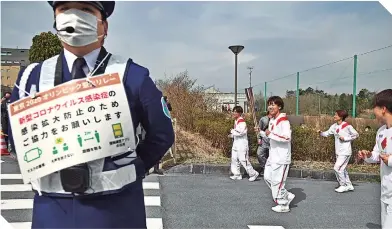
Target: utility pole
{"x": 250, "y": 75}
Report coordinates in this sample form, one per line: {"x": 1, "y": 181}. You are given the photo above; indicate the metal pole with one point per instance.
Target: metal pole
{"x": 319, "y": 104}
{"x": 297, "y": 96}
{"x": 250, "y": 79}
{"x": 250, "y": 76}
{"x": 355, "y": 86}
{"x": 265, "y": 96}
{"x": 235, "y": 83}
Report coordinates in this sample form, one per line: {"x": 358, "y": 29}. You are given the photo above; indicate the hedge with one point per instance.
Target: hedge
{"x": 307, "y": 145}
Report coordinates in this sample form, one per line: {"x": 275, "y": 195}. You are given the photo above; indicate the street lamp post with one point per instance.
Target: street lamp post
{"x": 236, "y": 49}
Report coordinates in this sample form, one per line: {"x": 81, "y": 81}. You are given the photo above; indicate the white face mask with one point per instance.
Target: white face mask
{"x": 85, "y": 26}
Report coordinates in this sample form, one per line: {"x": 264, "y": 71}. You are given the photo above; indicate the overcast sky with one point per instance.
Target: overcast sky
{"x": 280, "y": 38}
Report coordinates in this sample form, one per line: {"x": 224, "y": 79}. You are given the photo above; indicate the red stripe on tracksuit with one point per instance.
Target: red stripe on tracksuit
{"x": 343, "y": 126}
{"x": 280, "y": 136}
{"x": 284, "y": 118}
{"x": 277, "y": 122}
{"x": 281, "y": 183}
{"x": 240, "y": 120}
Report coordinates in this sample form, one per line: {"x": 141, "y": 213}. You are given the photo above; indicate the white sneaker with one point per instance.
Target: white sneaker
{"x": 236, "y": 177}
{"x": 290, "y": 197}
{"x": 281, "y": 208}
{"x": 253, "y": 178}
{"x": 350, "y": 187}
{"x": 342, "y": 189}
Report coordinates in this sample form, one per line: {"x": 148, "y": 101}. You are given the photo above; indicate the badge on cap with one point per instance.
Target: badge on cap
{"x": 165, "y": 108}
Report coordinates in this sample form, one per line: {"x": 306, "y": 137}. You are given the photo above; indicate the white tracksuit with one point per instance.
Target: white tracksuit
{"x": 342, "y": 149}
{"x": 277, "y": 166}
{"x": 240, "y": 149}
{"x": 384, "y": 145}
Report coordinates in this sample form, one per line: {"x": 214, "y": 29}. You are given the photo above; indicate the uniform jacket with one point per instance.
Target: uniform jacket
{"x": 144, "y": 100}
{"x": 383, "y": 145}
{"x": 263, "y": 125}
{"x": 280, "y": 140}
{"x": 240, "y": 135}
{"x": 342, "y": 148}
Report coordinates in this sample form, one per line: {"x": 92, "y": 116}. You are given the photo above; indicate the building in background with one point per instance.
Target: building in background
{"x": 12, "y": 60}
{"x": 225, "y": 100}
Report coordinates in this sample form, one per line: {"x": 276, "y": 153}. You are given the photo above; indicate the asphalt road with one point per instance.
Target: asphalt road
{"x": 201, "y": 201}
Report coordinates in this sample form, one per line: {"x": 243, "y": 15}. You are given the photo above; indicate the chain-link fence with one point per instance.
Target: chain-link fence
{"x": 349, "y": 83}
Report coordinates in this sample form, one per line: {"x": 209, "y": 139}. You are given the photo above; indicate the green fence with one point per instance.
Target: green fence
{"x": 348, "y": 83}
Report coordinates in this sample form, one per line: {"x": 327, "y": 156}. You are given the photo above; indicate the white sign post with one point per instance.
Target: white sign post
{"x": 73, "y": 123}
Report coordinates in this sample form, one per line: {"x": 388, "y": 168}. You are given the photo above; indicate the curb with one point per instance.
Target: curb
{"x": 212, "y": 169}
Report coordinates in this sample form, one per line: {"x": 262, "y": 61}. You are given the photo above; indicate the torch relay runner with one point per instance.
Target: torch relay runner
{"x": 344, "y": 133}
{"x": 240, "y": 149}
{"x": 381, "y": 153}
{"x": 277, "y": 166}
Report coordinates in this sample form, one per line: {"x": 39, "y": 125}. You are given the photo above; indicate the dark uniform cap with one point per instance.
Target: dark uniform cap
{"x": 106, "y": 7}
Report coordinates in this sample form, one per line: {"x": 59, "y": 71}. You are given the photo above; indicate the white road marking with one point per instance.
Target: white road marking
{"x": 152, "y": 201}
{"x": 4, "y": 224}
{"x": 265, "y": 227}
{"x": 24, "y": 225}
{"x": 150, "y": 185}
{"x": 11, "y": 176}
{"x": 15, "y": 188}
{"x": 154, "y": 223}
{"x": 16, "y": 204}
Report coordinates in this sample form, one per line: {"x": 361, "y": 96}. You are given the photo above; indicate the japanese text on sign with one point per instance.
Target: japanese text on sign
{"x": 69, "y": 125}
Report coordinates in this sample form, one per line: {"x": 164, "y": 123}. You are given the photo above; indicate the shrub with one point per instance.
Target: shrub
{"x": 307, "y": 145}
{"x": 190, "y": 109}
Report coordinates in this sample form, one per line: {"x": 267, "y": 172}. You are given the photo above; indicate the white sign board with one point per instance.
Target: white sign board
{"x": 73, "y": 123}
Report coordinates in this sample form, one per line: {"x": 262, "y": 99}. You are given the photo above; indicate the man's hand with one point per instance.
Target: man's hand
{"x": 341, "y": 138}
{"x": 319, "y": 131}
{"x": 363, "y": 154}
{"x": 267, "y": 132}
{"x": 384, "y": 157}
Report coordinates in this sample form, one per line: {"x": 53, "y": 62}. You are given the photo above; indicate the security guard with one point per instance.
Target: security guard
{"x": 67, "y": 199}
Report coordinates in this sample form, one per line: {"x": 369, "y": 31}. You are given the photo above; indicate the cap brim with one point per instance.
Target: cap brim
{"x": 104, "y": 6}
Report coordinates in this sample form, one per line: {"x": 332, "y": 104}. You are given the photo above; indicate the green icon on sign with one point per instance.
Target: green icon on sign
{"x": 80, "y": 141}
{"x": 65, "y": 147}
{"x": 97, "y": 136}
{"x": 117, "y": 130}
{"x": 32, "y": 154}
{"x": 88, "y": 135}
